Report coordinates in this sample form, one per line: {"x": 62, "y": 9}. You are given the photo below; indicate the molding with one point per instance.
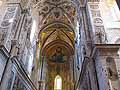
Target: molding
{"x": 6, "y": 54}
{"x": 107, "y": 46}
{"x": 23, "y": 72}
{"x": 8, "y": 4}
{"x": 104, "y": 46}
{"x": 4, "y": 51}
{"x": 83, "y": 70}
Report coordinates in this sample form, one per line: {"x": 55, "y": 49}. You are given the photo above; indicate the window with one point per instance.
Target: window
{"x": 58, "y": 83}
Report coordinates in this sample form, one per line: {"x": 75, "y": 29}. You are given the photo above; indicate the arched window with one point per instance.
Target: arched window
{"x": 58, "y": 83}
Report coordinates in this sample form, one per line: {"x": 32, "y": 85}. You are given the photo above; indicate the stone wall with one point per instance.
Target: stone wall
{"x": 103, "y": 75}
{"x": 15, "y": 29}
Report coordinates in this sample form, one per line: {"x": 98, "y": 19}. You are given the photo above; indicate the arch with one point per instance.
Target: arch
{"x": 58, "y": 83}
{"x": 56, "y": 24}
{"x": 63, "y": 32}
{"x": 55, "y": 43}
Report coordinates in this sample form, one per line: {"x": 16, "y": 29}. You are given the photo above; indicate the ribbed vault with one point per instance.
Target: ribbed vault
{"x": 57, "y": 25}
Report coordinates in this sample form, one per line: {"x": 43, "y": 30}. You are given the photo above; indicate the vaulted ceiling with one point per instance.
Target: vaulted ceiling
{"x": 57, "y": 24}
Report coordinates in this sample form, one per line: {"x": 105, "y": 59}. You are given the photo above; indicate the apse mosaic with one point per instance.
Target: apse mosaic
{"x": 58, "y": 56}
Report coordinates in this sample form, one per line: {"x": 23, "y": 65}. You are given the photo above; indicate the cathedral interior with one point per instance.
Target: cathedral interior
{"x": 59, "y": 44}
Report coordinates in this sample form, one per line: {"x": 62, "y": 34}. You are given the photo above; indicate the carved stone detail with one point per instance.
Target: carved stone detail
{"x": 10, "y": 13}
{"x": 9, "y": 24}
{"x": 99, "y": 30}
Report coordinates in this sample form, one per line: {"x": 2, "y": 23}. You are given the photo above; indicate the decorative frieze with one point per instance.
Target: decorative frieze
{"x": 97, "y": 22}
{"x": 9, "y": 24}
{"x": 10, "y": 13}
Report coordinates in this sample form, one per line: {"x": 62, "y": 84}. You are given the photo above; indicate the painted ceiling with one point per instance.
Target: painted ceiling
{"x": 58, "y": 20}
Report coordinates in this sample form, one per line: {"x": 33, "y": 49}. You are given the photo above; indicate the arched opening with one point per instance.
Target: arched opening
{"x": 58, "y": 83}
{"x": 56, "y": 39}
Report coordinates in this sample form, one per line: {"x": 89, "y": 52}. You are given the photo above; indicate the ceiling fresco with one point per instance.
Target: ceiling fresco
{"x": 57, "y": 23}
{"x": 63, "y": 11}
